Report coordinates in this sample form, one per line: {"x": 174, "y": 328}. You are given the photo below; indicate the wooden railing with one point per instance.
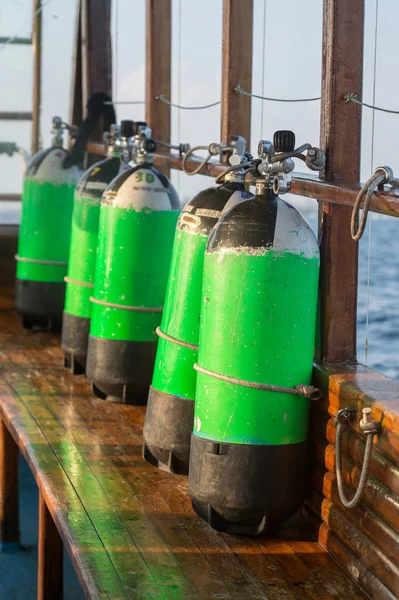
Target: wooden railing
{"x": 337, "y": 371}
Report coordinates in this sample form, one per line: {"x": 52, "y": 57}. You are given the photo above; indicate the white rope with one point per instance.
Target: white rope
{"x": 263, "y": 66}
{"x": 162, "y": 98}
{"x": 239, "y": 90}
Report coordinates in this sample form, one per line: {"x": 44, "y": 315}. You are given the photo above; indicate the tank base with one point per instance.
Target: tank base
{"x": 120, "y": 371}
{"x": 247, "y": 489}
{"x": 167, "y": 431}
{"x": 39, "y": 304}
{"x": 74, "y": 341}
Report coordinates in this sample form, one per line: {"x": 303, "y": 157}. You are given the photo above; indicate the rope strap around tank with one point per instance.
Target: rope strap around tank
{"x": 308, "y": 391}
{"x": 144, "y": 309}
{"x": 169, "y": 338}
{"x": 35, "y": 261}
{"x": 76, "y": 282}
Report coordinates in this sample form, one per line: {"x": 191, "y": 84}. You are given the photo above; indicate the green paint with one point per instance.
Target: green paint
{"x": 257, "y": 324}
{"x": 133, "y": 259}
{"x": 82, "y": 257}
{"x": 174, "y": 372}
{"x": 45, "y": 229}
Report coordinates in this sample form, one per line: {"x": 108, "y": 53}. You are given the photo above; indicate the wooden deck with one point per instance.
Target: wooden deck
{"x": 128, "y": 527}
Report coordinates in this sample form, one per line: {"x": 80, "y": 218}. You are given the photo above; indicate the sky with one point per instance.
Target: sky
{"x": 291, "y": 65}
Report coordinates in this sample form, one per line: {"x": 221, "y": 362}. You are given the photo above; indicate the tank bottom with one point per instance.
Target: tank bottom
{"x": 167, "y": 431}
{"x": 39, "y": 304}
{"x": 120, "y": 371}
{"x": 246, "y": 489}
{"x": 74, "y": 341}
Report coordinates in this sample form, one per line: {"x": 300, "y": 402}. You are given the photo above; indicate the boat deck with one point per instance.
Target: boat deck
{"x": 128, "y": 527}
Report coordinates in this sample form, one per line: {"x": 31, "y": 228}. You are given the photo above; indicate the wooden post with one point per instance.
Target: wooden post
{"x": 236, "y": 69}
{"x": 37, "y": 74}
{"x": 340, "y": 136}
{"x": 50, "y": 559}
{"x": 96, "y": 47}
{"x": 158, "y": 70}
{"x": 96, "y": 56}
{"x": 9, "y": 494}
{"x": 76, "y": 103}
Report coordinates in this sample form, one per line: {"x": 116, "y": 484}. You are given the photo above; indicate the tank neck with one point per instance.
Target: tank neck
{"x": 142, "y": 160}
{"x": 264, "y": 187}
{"x": 234, "y": 177}
{"x": 113, "y": 152}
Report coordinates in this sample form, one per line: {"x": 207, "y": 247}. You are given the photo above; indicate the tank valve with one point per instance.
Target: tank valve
{"x": 275, "y": 163}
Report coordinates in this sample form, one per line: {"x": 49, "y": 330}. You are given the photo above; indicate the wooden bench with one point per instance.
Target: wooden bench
{"x": 128, "y": 528}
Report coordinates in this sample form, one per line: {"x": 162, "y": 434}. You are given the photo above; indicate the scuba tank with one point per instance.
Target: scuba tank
{"x": 138, "y": 215}
{"x": 82, "y": 256}
{"x": 170, "y": 410}
{"x": 44, "y": 235}
{"x": 256, "y": 344}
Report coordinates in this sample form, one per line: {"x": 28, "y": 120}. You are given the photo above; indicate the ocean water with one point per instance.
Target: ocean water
{"x": 378, "y": 294}
{"x": 379, "y": 298}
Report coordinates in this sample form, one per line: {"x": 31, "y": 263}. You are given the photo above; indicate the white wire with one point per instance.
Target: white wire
{"x": 31, "y": 21}
{"x": 366, "y": 344}
{"x": 116, "y": 46}
{"x": 263, "y": 66}
{"x": 179, "y": 81}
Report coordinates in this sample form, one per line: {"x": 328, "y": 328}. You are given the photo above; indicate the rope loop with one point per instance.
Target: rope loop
{"x": 380, "y": 176}
{"x": 370, "y": 429}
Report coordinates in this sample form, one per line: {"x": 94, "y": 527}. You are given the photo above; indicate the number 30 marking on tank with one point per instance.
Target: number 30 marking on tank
{"x": 149, "y": 177}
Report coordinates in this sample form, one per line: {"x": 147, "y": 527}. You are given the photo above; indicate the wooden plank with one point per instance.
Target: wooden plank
{"x": 37, "y": 74}
{"x": 50, "y": 557}
{"x": 354, "y": 566}
{"x": 217, "y": 551}
{"x": 236, "y": 70}
{"x": 9, "y": 488}
{"x": 158, "y": 70}
{"x": 382, "y": 469}
{"x": 375, "y": 495}
{"x": 378, "y": 531}
{"x": 342, "y": 193}
{"x": 15, "y": 116}
{"x": 370, "y": 554}
{"x": 10, "y": 197}
{"x": 111, "y": 506}
{"x": 95, "y": 571}
{"x": 343, "y": 25}
{"x": 76, "y": 98}
{"x": 19, "y": 41}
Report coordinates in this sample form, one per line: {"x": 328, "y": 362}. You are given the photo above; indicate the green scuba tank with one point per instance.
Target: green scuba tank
{"x": 138, "y": 217}
{"x": 82, "y": 257}
{"x": 256, "y": 344}
{"x": 44, "y": 235}
{"x": 170, "y": 410}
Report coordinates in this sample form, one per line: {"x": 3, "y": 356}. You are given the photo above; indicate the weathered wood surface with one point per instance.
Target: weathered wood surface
{"x": 128, "y": 527}
{"x": 343, "y": 31}
{"x": 236, "y": 70}
{"x": 364, "y": 539}
{"x": 158, "y": 65}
